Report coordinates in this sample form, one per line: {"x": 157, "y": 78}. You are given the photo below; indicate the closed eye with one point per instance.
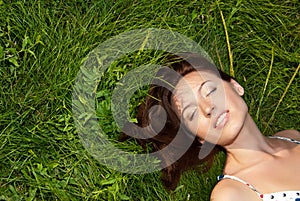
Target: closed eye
{"x": 189, "y": 112}
{"x": 191, "y": 117}
{"x": 211, "y": 91}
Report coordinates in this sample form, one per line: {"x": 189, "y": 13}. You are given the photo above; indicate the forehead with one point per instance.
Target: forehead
{"x": 187, "y": 88}
{"x": 194, "y": 80}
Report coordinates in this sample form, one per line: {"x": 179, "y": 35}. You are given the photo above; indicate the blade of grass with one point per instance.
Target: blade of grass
{"x": 282, "y": 97}
{"x": 266, "y": 84}
{"x": 228, "y": 44}
{"x": 219, "y": 60}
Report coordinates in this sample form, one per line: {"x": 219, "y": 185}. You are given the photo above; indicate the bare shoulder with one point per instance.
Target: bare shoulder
{"x": 230, "y": 190}
{"x": 225, "y": 190}
{"x": 293, "y": 134}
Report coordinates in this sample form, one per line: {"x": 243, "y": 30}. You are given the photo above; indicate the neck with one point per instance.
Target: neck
{"x": 249, "y": 147}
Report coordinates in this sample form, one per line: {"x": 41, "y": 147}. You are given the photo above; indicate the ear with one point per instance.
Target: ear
{"x": 237, "y": 87}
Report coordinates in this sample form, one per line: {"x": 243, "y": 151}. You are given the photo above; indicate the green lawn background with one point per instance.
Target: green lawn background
{"x": 43, "y": 44}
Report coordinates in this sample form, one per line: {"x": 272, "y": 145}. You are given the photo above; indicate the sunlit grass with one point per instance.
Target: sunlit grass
{"x": 43, "y": 44}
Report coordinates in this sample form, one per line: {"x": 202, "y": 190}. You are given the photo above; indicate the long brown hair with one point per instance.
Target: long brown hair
{"x": 160, "y": 95}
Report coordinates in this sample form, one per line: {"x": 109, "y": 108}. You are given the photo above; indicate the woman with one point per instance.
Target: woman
{"x": 210, "y": 107}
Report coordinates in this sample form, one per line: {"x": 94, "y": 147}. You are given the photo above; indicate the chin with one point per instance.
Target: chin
{"x": 232, "y": 130}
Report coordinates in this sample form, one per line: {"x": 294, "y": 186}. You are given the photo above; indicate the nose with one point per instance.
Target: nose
{"x": 206, "y": 107}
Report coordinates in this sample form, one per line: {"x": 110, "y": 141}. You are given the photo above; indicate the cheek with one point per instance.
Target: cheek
{"x": 199, "y": 127}
{"x": 236, "y": 102}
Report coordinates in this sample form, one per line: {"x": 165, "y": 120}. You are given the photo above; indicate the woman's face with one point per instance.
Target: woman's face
{"x": 210, "y": 107}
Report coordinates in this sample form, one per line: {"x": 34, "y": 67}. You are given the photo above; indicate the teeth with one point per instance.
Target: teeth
{"x": 220, "y": 119}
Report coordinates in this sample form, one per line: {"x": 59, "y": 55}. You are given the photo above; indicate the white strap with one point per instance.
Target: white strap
{"x": 242, "y": 181}
{"x": 285, "y": 138}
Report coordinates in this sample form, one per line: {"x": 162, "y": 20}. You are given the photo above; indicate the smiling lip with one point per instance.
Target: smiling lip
{"x": 222, "y": 119}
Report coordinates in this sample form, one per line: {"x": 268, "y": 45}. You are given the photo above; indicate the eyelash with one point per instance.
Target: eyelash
{"x": 211, "y": 91}
{"x": 193, "y": 114}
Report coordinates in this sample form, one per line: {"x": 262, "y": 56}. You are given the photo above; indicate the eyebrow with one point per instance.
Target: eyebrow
{"x": 202, "y": 84}
{"x": 200, "y": 88}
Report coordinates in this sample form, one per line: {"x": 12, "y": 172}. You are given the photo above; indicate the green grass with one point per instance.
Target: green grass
{"x": 43, "y": 44}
